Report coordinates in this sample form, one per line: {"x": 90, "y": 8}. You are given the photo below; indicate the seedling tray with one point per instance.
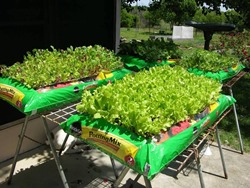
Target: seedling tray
{"x": 33, "y": 101}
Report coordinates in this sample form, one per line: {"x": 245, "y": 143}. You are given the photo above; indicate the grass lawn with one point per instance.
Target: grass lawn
{"x": 228, "y": 130}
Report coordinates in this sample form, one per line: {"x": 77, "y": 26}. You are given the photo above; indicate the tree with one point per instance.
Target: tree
{"x": 126, "y": 4}
{"x": 152, "y": 19}
{"x": 209, "y": 17}
{"x": 242, "y": 7}
{"x": 235, "y": 18}
{"x": 127, "y": 19}
{"x": 172, "y": 11}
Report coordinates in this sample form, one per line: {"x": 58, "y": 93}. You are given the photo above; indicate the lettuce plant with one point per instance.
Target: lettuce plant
{"x": 151, "y": 50}
{"x": 151, "y": 101}
{"x": 207, "y": 61}
{"x": 43, "y": 67}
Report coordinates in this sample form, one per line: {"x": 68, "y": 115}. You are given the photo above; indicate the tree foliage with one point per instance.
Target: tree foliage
{"x": 152, "y": 19}
{"x": 127, "y": 19}
{"x": 174, "y": 12}
{"x": 209, "y": 17}
{"x": 242, "y": 7}
{"x": 235, "y": 18}
{"x": 126, "y": 4}
{"x": 175, "y": 8}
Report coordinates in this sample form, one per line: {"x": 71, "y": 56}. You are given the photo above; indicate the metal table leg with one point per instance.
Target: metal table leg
{"x": 19, "y": 145}
{"x": 237, "y": 123}
{"x": 147, "y": 182}
{"x": 114, "y": 167}
{"x": 63, "y": 145}
{"x": 200, "y": 171}
{"x": 59, "y": 166}
{"x": 221, "y": 153}
{"x": 136, "y": 180}
{"x": 121, "y": 176}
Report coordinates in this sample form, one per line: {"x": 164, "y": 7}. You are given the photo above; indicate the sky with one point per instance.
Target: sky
{"x": 142, "y": 2}
{"x": 146, "y": 2}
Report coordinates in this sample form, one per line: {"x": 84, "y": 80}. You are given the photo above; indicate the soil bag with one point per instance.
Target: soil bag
{"x": 147, "y": 156}
{"x": 32, "y": 101}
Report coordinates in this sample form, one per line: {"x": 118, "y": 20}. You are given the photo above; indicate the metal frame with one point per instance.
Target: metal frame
{"x": 58, "y": 117}
{"x": 19, "y": 145}
{"x": 191, "y": 151}
{"x": 56, "y": 158}
{"x": 68, "y": 111}
{"x": 61, "y": 115}
{"x": 229, "y": 86}
{"x": 18, "y": 148}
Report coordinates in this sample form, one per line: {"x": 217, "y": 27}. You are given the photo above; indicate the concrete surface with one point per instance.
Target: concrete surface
{"x": 92, "y": 168}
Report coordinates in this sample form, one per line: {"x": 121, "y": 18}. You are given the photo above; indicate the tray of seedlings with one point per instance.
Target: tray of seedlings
{"x": 211, "y": 64}
{"x": 49, "y": 78}
{"x": 144, "y": 54}
{"x": 147, "y": 119}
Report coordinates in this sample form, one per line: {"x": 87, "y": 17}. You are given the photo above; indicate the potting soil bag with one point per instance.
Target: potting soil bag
{"x": 222, "y": 75}
{"x": 147, "y": 156}
{"x": 136, "y": 64}
{"x": 30, "y": 101}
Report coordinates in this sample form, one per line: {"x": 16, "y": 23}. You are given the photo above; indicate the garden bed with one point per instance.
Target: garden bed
{"x": 137, "y": 64}
{"x": 48, "y": 79}
{"x": 147, "y": 156}
{"x": 32, "y": 101}
{"x": 147, "y": 119}
{"x": 211, "y": 64}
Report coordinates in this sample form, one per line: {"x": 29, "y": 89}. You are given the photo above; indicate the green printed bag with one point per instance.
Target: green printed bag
{"x": 146, "y": 156}
{"x": 30, "y": 101}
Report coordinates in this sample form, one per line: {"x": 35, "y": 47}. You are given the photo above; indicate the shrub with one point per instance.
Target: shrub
{"x": 234, "y": 44}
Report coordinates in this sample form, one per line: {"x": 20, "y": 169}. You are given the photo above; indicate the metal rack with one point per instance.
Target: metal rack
{"x": 192, "y": 153}
{"x": 58, "y": 116}
{"x": 228, "y": 86}
{"x": 61, "y": 115}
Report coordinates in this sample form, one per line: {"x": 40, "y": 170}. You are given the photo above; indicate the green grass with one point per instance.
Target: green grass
{"x": 228, "y": 130}
{"x": 136, "y": 33}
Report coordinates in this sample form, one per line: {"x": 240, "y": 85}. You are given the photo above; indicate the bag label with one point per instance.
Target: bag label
{"x": 113, "y": 144}
{"x": 11, "y": 94}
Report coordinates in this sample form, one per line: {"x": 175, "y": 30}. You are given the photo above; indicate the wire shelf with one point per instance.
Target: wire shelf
{"x": 186, "y": 159}
{"x": 61, "y": 115}
{"x": 231, "y": 82}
